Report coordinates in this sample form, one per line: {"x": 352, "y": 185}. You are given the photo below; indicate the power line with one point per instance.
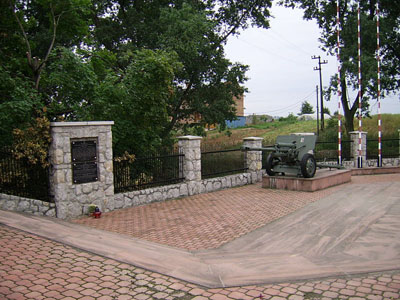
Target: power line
{"x": 289, "y": 106}
{"x": 272, "y": 53}
{"x": 279, "y": 36}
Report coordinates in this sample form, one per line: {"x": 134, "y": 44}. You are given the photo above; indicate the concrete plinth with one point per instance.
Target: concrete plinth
{"x": 323, "y": 179}
{"x": 375, "y": 171}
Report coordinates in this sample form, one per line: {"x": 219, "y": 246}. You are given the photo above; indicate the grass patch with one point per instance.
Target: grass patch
{"x": 269, "y": 131}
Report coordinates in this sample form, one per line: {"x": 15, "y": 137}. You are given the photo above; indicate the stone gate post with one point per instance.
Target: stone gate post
{"x": 253, "y": 158}
{"x": 354, "y": 147}
{"x": 190, "y": 146}
{"x": 81, "y": 167}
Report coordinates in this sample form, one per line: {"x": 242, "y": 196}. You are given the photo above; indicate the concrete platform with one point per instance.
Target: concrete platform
{"x": 323, "y": 179}
{"x": 375, "y": 171}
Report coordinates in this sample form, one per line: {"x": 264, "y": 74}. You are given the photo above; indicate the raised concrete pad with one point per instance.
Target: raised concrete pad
{"x": 375, "y": 171}
{"x": 323, "y": 179}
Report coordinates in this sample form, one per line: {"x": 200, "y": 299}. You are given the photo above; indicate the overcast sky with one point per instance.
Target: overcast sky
{"x": 281, "y": 69}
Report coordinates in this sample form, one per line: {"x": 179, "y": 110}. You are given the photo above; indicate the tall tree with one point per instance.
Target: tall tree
{"x": 39, "y": 24}
{"x": 324, "y": 12}
{"x": 197, "y": 32}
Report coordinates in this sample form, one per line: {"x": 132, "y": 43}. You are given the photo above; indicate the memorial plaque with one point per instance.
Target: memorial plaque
{"x": 84, "y": 161}
{"x": 83, "y": 151}
{"x": 84, "y": 172}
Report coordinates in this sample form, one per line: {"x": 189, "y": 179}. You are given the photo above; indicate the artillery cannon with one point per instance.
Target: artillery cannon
{"x": 292, "y": 154}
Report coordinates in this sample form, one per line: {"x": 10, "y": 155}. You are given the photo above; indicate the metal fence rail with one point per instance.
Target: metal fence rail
{"x": 146, "y": 172}
{"x": 328, "y": 150}
{"x": 390, "y": 148}
{"x": 222, "y": 162}
{"x": 20, "y": 178}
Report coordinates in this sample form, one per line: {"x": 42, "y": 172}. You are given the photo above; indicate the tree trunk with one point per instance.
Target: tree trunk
{"x": 348, "y": 112}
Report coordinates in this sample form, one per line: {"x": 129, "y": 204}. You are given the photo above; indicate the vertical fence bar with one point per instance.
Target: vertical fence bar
{"x": 378, "y": 59}
{"x": 359, "y": 87}
{"x": 339, "y": 83}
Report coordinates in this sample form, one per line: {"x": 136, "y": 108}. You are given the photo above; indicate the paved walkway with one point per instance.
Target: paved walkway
{"x": 205, "y": 221}
{"x": 32, "y": 267}
{"x": 345, "y": 232}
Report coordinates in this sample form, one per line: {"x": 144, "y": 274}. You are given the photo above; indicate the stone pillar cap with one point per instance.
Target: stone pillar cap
{"x": 86, "y": 123}
{"x": 189, "y": 137}
{"x": 253, "y": 138}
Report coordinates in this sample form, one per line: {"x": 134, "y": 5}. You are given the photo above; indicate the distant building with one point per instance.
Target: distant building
{"x": 239, "y": 105}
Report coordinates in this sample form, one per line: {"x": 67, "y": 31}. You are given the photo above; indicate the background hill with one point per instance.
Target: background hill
{"x": 269, "y": 131}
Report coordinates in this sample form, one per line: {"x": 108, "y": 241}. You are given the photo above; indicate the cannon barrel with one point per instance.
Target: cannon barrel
{"x": 290, "y": 145}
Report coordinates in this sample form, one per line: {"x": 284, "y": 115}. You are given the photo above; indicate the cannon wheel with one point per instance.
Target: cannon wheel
{"x": 308, "y": 166}
{"x": 271, "y": 162}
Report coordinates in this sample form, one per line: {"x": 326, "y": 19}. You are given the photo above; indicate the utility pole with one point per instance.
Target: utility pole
{"x": 316, "y": 90}
{"x": 319, "y": 68}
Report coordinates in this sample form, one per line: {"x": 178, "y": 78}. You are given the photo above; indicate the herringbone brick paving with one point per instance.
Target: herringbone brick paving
{"x": 205, "y": 221}
{"x": 36, "y": 268}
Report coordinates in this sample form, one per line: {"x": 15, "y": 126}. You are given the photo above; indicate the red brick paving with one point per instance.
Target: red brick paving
{"x": 205, "y": 221}
{"x": 210, "y": 220}
{"x": 23, "y": 276}
{"x": 35, "y": 268}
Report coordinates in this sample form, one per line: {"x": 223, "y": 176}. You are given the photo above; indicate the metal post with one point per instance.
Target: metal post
{"x": 378, "y": 59}
{"x": 360, "y": 161}
{"x": 316, "y": 90}
{"x": 339, "y": 83}
{"x": 319, "y": 68}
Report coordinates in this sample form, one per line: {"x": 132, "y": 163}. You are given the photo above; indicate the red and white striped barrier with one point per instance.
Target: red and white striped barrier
{"x": 360, "y": 162}
{"x": 339, "y": 83}
{"x": 378, "y": 59}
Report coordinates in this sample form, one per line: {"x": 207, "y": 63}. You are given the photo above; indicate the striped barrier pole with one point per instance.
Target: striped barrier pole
{"x": 360, "y": 162}
{"x": 378, "y": 58}
{"x": 339, "y": 83}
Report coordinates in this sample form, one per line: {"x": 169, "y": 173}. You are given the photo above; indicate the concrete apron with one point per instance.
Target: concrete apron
{"x": 356, "y": 230}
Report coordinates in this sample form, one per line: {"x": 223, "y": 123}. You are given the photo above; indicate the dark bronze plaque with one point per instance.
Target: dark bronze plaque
{"x": 84, "y": 172}
{"x": 84, "y": 161}
{"x": 83, "y": 151}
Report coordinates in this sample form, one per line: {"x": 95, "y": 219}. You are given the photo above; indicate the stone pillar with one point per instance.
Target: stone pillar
{"x": 253, "y": 158}
{"x": 190, "y": 147}
{"x": 72, "y": 198}
{"x": 354, "y": 148}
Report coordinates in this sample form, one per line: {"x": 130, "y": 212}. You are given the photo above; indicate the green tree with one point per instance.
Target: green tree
{"x": 30, "y": 31}
{"x": 38, "y": 26}
{"x": 306, "y": 108}
{"x": 137, "y": 99}
{"x": 324, "y": 12}
{"x": 148, "y": 65}
{"x": 197, "y": 32}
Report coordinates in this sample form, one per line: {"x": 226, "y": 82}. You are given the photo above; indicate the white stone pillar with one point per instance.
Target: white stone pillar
{"x": 253, "y": 158}
{"x": 354, "y": 136}
{"x": 73, "y": 198}
{"x": 190, "y": 146}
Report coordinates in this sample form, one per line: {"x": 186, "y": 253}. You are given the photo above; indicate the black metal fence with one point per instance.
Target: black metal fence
{"x": 390, "y": 148}
{"x": 18, "y": 177}
{"x": 222, "y": 162}
{"x": 146, "y": 172}
{"x": 328, "y": 150}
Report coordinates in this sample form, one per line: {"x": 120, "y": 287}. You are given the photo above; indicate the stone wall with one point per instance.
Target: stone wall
{"x": 184, "y": 189}
{"x": 72, "y": 199}
{"x": 21, "y": 204}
